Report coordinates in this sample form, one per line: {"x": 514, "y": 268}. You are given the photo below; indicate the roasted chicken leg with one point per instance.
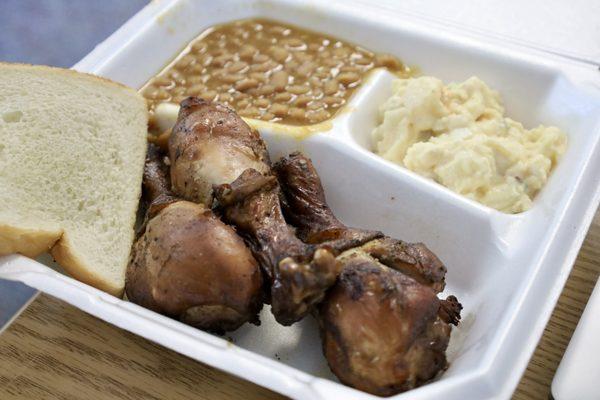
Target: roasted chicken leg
{"x": 383, "y": 328}
{"x": 214, "y": 152}
{"x": 189, "y": 265}
{"x": 306, "y": 208}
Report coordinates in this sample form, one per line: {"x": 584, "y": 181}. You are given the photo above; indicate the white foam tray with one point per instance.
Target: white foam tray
{"x": 507, "y": 270}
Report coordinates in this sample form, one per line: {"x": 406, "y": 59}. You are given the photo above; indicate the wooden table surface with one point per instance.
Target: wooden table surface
{"x": 55, "y": 351}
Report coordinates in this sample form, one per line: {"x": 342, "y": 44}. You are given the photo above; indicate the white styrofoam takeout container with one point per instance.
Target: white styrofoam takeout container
{"x": 507, "y": 270}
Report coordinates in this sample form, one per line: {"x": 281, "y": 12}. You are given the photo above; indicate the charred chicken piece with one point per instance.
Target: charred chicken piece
{"x": 306, "y": 208}
{"x": 189, "y": 265}
{"x": 383, "y": 328}
{"x": 212, "y": 149}
{"x": 299, "y": 273}
{"x": 382, "y": 331}
{"x": 211, "y": 145}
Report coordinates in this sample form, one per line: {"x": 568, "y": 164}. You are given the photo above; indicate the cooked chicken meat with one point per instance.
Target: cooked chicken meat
{"x": 306, "y": 208}
{"x": 211, "y": 145}
{"x": 299, "y": 273}
{"x": 212, "y": 148}
{"x": 189, "y": 265}
{"x": 383, "y": 328}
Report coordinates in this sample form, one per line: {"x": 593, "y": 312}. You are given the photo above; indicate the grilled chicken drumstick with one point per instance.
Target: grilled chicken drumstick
{"x": 383, "y": 328}
{"x": 305, "y": 207}
{"x": 214, "y": 152}
{"x": 189, "y": 265}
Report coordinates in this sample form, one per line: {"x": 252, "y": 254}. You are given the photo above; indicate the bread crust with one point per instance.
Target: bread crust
{"x": 64, "y": 255}
{"x": 27, "y": 241}
{"x": 73, "y": 73}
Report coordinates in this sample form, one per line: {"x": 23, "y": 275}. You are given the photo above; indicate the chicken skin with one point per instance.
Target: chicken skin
{"x": 211, "y": 145}
{"x": 299, "y": 273}
{"x": 189, "y": 265}
{"x": 380, "y": 328}
{"x": 213, "y": 152}
{"x": 383, "y": 328}
{"x": 306, "y": 208}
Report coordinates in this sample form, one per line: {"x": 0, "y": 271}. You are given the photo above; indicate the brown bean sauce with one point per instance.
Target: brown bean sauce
{"x": 269, "y": 70}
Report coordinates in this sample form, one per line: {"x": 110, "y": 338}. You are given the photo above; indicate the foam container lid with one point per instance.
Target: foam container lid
{"x": 507, "y": 270}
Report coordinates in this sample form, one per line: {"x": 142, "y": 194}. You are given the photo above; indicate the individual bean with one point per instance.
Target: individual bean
{"x": 279, "y": 110}
{"x": 279, "y": 54}
{"x": 195, "y": 79}
{"x": 267, "y": 116}
{"x": 298, "y": 89}
{"x": 279, "y": 80}
{"x": 297, "y": 113}
{"x": 239, "y": 95}
{"x": 333, "y": 100}
{"x": 315, "y": 105}
{"x": 331, "y": 87}
{"x": 262, "y": 103}
{"x": 317, "y": 115}
{"x": 259, "y": 76}
{"x": 315, "y": 81}
{"x": 348, "y": 78}
{"x": 162, "y": 81}
{"x": 266, "y": 90}
{"x": 302, "y": 100}
{"x": 197, "y": 68}
{"x": 303, "y": 57}
{"x": 247, "y": 52}
{"x": 221, "y": 60}
{"x": 232, "y": 78}
{"x": 350, "y": 68}
{"x": 246, "y": 84}
{"x": 264, "y": 67}
{"x": 243, "y": 103}
{"x": 260, "y": 58}
{"x": 237, "y": 66}
{"x": 250, "y": 112}
{"x": 283, "y": 97}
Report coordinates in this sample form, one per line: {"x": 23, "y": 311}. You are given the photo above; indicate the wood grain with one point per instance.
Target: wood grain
{"x": 54, "y": 351}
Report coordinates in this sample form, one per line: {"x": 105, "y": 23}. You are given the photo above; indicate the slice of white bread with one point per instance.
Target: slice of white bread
{"x": 72, "y": 150}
